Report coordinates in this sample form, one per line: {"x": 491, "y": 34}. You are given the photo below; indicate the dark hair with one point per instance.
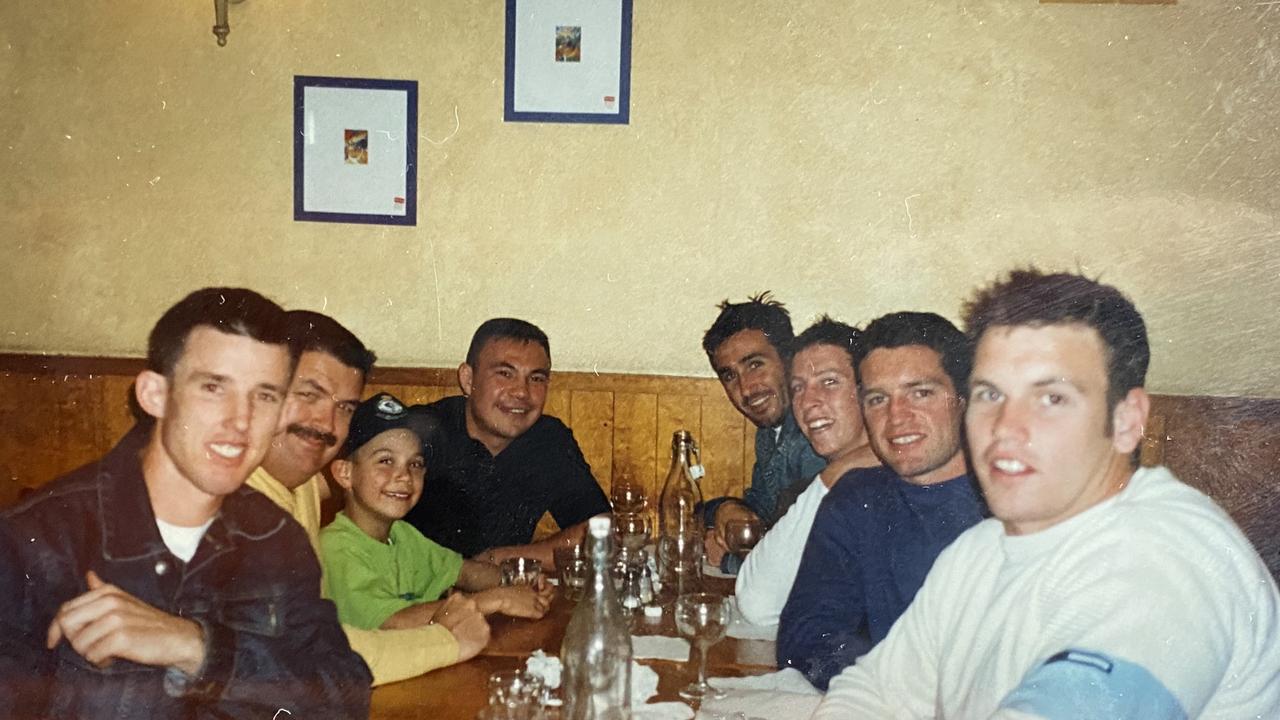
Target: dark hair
{"x": 760, "y": 312}
{"x": 827, "y": 331}
{"x": 931, "y": 330}
{"x": 505, "y": 329}
{"x": 235, "y": 311}
{"x": 315, "y": 331}
{"x": 1032, "y": 298}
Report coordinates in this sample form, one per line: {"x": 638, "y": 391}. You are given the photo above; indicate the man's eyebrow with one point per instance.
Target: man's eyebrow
{"x": 270, "y": 386}
{"x": 1049, "y": 381}
{"x": 203, "y": 375}
{"x": 317, "y": 387}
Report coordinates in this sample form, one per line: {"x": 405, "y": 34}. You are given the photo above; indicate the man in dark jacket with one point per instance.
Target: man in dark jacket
{"x": 151, "y": 583}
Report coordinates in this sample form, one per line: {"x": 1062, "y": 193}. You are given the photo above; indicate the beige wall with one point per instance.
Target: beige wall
{"x": 855, "y": 157}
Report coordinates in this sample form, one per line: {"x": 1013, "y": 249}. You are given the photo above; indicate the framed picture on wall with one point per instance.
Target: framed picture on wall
{"x": 568, "y": 61}
{"x": 355, "y": 150}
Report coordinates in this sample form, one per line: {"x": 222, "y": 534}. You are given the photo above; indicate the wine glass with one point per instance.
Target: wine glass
{"x": 631, "y": 532}
{"x": 742, "y": 534}
{"x": 628, "y": 498}
{"x": 704, "y": 619}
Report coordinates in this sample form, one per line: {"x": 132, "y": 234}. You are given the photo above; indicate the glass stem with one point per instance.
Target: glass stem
{"x": 702, "y": 666}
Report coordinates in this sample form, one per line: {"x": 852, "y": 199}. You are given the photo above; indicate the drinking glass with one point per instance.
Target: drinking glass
{"x": 742, "y": 534}
{"x": 521, "y": 571}
{"x": 704, "y": 619}
{"x": 628, "y": 498}
{"x": 514, "y": 695}
{"x": 574, "y": 570}
{"x": 631, "y": 532}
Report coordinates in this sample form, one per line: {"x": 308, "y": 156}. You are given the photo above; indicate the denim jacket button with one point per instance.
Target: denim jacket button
{"x": 162, "y": 567}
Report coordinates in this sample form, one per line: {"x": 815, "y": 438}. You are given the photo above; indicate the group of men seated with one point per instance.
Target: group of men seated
{"x": 157, "y": 582}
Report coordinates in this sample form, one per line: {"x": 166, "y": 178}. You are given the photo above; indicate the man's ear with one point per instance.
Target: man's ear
{"x": 341, "y": 471}
{"x": 1128, "y": 419}
{"x": 464, "y": 378}
{"x": 151, "y": 389}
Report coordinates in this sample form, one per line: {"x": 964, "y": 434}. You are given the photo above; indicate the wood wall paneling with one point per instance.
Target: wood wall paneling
{"x": 58, "y": 413}
{"x": 635, "y": 441}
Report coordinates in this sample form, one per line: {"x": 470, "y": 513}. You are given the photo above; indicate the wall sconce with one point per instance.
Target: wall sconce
{"x": 220, "y": 28}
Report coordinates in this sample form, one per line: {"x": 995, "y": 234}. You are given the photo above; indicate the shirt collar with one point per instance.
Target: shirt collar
{"x": 129, "y": 524}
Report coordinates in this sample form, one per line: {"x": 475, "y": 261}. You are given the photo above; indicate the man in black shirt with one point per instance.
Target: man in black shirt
{"x": 495, "y": 463}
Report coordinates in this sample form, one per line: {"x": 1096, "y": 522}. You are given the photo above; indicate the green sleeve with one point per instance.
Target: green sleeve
{"x": 363, "y": 590}
{"x": 438, "y": 565}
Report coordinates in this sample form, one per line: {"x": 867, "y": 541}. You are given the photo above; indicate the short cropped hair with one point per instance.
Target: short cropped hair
{"x": 313, "y": 331}
{"x": 902, "y": 329}
{"x": 1033, "y": 298}
{"x": 235, "y": 311}
{"x": 505, "y": 329}
{"x": 760, "y": 312}
{"x": 827, "y": 331}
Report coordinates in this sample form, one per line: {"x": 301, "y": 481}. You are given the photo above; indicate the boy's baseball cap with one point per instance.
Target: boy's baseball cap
{"x": 374, "y": 416}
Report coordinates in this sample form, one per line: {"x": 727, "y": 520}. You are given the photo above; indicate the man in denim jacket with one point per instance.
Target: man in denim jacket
{"x": 150, "y": 583}
{"x": 745, "y": 346}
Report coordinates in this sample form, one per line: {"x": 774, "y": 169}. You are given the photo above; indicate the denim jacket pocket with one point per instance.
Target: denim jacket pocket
{"x": 262, "y": 613}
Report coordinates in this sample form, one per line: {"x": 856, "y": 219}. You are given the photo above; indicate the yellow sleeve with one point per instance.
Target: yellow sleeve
{"x": 394, "y": 655}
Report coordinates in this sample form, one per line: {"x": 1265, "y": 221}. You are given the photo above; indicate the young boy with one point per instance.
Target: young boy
{"x": 381, "y": 572}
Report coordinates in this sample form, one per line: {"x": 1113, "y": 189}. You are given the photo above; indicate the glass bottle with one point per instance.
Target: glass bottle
{"x": 596, "y": 651}
{"x": 680, "y": 525}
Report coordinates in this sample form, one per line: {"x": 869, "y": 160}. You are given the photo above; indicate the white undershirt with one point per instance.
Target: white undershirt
{"x": 182, "y": 541}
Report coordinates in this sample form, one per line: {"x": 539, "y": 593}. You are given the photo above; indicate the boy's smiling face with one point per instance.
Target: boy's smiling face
{"x": 383, "y": 480}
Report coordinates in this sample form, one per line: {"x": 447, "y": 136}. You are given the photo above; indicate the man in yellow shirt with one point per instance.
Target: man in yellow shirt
{"x": 325, "y": 391}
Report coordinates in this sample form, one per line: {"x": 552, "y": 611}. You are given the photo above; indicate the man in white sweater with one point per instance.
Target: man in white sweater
{"x": 1097, "y": 591}
{"x": 824, "y": 401}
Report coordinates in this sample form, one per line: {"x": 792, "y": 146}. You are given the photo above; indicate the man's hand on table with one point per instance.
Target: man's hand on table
{"x": 107, "y": 623}
{"x": 460, "y": 616}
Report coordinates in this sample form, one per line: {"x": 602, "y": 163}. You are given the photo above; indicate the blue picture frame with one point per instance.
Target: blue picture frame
{"x": 355, "y": 150}
{"x": 523, "y": 71}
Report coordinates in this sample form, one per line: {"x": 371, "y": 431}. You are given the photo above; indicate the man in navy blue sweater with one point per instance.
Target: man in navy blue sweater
{"x": 879, "y": 530}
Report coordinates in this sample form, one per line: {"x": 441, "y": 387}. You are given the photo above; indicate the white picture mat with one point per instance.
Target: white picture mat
{"x": 330, "y": 185}
{"x": 544, "y": 85}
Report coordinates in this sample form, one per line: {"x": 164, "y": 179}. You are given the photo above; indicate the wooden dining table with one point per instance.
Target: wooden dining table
{"x": 460, "y": 691}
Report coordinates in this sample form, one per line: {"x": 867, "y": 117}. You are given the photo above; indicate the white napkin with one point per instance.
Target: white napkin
{"x": 661, "y": 711}
{"x": 788, "y": 680}
{"x": 782, "y": 695}
{"x": 644, "y": 683}
{"x": 659, "y": 647}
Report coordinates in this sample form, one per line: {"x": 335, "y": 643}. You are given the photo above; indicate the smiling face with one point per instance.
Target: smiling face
{"x": 382, "y": 479}
{"x": 753, "y": 377}
{"x": 912, "y": 413}
{"x": 506, "y": 390}
{"x": 824, "y": 400}
{"x": 216, "y": 415}
{"x": 1037, "y": 425}
{"x": 317, "y": 415}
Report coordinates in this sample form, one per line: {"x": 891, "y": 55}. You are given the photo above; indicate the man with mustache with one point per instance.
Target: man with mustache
{"x": 1098, "y": 590}
{"x": 498, "y": 464}
{"x": 878, "y": 531}
{"x": 743, "y": 346}
{"x": 332, "y": 368}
